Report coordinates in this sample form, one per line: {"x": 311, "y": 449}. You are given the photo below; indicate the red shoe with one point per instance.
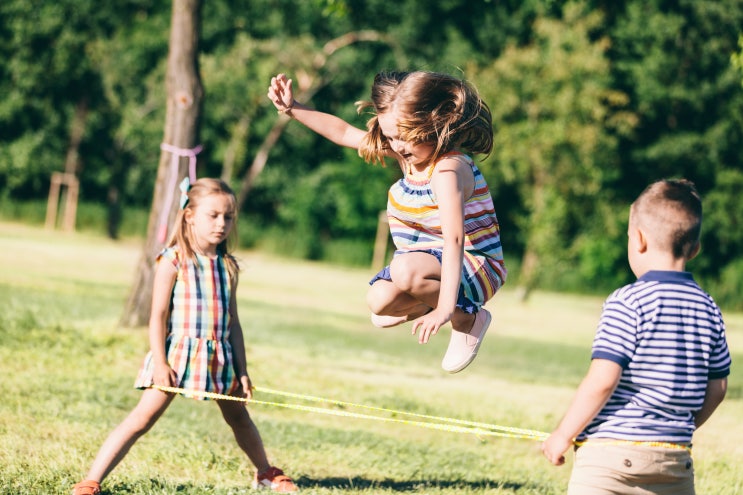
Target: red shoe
{"x": 274, "y": 479}
{"x": 87, "y": 487}
{"x": 463, "y": 346}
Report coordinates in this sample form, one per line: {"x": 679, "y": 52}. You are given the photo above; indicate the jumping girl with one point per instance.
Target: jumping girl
{"x": 448, "y": 260}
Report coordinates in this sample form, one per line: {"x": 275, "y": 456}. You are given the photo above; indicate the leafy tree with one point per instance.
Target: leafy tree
{"x": 589, "y": 109}
{"x": 41, "y": 85}
{"x": 54, "y": 62}
{"x": 337, "y": 201}
{"x": 239, "y": 79}
{"x": 552, "y": 106}
{"x": 673, "y": 60}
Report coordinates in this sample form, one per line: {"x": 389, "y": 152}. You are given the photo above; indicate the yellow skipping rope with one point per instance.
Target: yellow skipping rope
{"x": 434, "y": 422}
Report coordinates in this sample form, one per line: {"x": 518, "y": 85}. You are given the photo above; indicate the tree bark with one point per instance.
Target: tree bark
{"x": 531, "y": 260}
{"x": 183, "y": 111}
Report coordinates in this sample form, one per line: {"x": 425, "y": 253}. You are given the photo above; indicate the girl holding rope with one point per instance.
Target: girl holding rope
{"x": 196, "y": 340}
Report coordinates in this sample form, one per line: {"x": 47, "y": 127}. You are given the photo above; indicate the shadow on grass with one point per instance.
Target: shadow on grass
{"x": 358, "y": 483}
{"x": 354, "y": 484}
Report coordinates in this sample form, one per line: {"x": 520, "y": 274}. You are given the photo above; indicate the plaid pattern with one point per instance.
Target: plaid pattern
{"x": 197, "y": 342}
{"x": 415, "y": 225}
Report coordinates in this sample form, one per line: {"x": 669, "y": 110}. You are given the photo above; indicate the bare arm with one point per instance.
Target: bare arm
{"x": 162, "y": 291}
{"x": 329, "y": 126}
{"x": 593, "y": 393}
{"x": 237, "y": 341}
{"x": 452, "y": 184}
{"x": 716, "y": 390}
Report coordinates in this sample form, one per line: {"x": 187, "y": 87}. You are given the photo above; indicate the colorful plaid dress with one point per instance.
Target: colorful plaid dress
{"x": 197, "y": 343}
{"x": 415, "y": 225}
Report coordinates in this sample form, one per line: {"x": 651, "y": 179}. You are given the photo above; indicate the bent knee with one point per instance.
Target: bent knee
{"x": 378, "y": 296}
{"x": 373, "y": 303}
{"x": 404, "y": 276}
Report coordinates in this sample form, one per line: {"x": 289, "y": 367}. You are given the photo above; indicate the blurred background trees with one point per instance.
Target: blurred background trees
{"x": 592, "y": 100}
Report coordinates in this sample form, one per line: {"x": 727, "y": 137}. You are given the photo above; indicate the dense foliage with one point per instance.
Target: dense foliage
{"x": 592, "y": 100}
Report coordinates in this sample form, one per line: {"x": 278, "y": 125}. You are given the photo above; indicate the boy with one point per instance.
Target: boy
{"x": 659, "y": 362}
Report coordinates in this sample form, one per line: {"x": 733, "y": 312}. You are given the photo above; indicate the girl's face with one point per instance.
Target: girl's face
{"x": 415, "y": 154}
{"x": 211, "y": 221}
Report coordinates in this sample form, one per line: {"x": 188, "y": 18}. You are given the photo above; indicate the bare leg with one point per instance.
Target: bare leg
{"x": 385, "y": 298}
{"x": 149, "y": 409}
{"x": 414, "y": 290}
{"x": 246, "y": 433}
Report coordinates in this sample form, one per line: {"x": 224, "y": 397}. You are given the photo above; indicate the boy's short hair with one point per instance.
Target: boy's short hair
{"x": 670, "y": 210}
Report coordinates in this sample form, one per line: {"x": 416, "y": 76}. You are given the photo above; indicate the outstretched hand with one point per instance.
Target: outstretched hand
{"x": 428, "y": 325}
{"x": 280, "y": 93}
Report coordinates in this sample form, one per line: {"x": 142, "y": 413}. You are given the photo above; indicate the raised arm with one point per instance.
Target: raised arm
{"x": 329, "y": 126}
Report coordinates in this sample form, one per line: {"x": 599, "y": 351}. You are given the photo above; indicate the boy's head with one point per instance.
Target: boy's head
{"x": 667, "y": 216}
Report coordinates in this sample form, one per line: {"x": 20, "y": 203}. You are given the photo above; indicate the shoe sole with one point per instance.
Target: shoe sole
{"x": 257, "y": 485}
{"x": 472, "y": 357}
{"x": 376, "y": 323}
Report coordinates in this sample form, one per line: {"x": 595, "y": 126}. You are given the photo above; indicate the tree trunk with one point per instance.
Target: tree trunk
{"x": 531, "y": 261}
{"x": 527, "y": 277}
{"x": 183, "y": 108}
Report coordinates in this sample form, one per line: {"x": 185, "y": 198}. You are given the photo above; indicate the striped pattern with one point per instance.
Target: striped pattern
{"x": 415, "y": 225}
{"x": 197, "y": 343}
{"x": 669, "y": 337}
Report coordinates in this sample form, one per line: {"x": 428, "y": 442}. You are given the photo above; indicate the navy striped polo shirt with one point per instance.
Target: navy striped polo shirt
{"x": 668, "y": 336}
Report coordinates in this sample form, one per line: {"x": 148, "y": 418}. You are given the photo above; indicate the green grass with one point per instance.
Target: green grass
{"x": 69, "y": 368}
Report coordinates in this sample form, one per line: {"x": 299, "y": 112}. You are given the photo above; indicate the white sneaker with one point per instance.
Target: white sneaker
{"x": 463, "y": 346}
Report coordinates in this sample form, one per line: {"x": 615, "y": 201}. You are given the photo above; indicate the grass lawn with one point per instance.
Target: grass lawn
{"x": 70, "y": 367}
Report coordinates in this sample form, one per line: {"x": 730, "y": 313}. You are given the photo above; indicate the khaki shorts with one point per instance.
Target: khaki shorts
{"x": 605, "y": 468}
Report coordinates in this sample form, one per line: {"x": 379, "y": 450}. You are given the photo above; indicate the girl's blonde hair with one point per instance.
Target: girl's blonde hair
{"x": 182, "y": 235}
{"x": 434, "y": 108}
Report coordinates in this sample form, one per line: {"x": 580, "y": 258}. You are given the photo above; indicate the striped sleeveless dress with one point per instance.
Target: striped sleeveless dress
{"x": 197, "y": 341}
{"x": 415, "y": 225}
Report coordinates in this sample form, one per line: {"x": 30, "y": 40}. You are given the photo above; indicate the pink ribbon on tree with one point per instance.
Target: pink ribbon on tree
{"x": 175, "y": 156}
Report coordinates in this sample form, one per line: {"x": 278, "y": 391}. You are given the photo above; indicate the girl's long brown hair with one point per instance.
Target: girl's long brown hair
{"x": 434, "y": 108}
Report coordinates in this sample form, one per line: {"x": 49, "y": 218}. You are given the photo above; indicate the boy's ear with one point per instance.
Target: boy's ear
{"x": 695, "y": 251}
{"x": 641, "y": 241}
